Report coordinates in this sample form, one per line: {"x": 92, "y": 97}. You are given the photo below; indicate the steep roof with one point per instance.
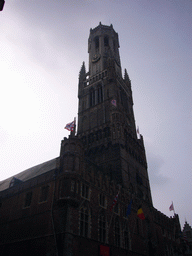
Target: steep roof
{"x": 30, "y": 173}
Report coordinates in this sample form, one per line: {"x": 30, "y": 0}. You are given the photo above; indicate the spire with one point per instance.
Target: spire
{"x": 82, "y": 77}
{"x": 126, "y": 76}
{"x": 82, "y": 71}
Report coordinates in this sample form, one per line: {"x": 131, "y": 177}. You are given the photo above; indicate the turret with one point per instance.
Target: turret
{"x": 71, "y": 154}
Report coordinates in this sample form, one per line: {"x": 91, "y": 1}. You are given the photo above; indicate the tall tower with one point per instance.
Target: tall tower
{"x": 106, "y": 122}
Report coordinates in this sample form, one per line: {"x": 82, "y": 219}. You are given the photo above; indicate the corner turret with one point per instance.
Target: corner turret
{"x": 71, "y": 155}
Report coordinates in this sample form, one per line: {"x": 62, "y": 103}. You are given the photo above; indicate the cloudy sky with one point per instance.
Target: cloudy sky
{"x": 42, "y": 47}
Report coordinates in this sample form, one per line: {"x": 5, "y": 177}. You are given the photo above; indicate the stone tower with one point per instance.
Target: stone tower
{"x": 106, "y": 123}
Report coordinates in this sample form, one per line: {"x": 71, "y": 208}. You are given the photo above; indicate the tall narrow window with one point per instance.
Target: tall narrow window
{"x": 102, "y": 200}
{"x": 117, "y": 232}
{"x": 106, "y": 41}
{"x": 84, "y": 222}
{"x": 116, "y": 208}
{"x": 85, "y": 191}
{"x": 92, "y": 98}
{"x": 102, "y": 228}
{"x": 28, "y": 199}
{"x": 99, "y": 95}
{"x": 126, "y": 237}
{"x": 44, "y": 194}
{"x": 63, "y": 187}
{"x": 96, "y": 42}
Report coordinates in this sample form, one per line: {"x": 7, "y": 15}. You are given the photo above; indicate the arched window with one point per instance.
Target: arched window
{"x": 106, "y": 41}
{"x": 92, "y": 98}
{"x": 99, "y": 95}
{"x": 124, "y": 100}
{"x": 126, "y": 237}
{"x": 96, "y": 42}
{"x": 117, "y": 232}
{"x": 84, "y": 222}
{"x": 102, "y": 228}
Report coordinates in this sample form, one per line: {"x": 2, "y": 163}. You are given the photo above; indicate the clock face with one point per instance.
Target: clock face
{"x": 96, "y": 57}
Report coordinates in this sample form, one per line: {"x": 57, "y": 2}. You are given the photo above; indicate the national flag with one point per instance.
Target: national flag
{"x": 128, "y": 212}
{"x": 140, "y": 214}
{"x": 70, "y": 126}
{"x": 171, "y": 208}
{"x": 114, "y": 103}
{"x": 114, "y": 202}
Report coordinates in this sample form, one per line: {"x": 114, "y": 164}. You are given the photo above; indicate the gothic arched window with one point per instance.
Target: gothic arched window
{"x": 117, "y": 232}
{"x": 102, "y": 228}
{"x": 91, "y": 98}
{"x": 106, "y": 41}
{"x": 96, "y": 42}
{"x": 126, "y": 237}
{"x": 99, "y": 95}
{"x": 84, "y": 222}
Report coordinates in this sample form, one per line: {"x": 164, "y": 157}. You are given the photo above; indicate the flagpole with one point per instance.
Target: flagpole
{"x": 173, "y": 208}
{"x": 74, "y": 129}
{"x": 113, "y": 205}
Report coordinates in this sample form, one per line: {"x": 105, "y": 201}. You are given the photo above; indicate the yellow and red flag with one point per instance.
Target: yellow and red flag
{"x": 140, "y": 214}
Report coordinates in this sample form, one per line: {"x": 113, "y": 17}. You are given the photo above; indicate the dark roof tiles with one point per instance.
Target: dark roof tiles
{"x": 30, "y": 173}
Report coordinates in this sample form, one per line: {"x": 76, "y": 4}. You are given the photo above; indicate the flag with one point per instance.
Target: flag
{"x": 114, "y": 201}
{"x": 171, "y": 208}
{"x": 140, "y": 214}
{"x": 128, "y": 212}
{"x": 70, "y": 126}
{"x": 114, "y": 103}
{"x": 104, "y": 250}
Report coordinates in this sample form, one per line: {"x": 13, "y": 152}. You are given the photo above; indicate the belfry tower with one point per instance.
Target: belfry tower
{"x": 106, "y": 122}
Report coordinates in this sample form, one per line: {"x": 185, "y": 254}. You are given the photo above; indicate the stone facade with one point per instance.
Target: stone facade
{"x": 64, "y": 206}
{"x": 187, "y": 239}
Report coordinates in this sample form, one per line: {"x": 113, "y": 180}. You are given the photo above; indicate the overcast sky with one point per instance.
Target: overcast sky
{"x": 42, "y": 47}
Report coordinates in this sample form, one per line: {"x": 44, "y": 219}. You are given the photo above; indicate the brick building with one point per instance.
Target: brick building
{"x": 64, "y": 206}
